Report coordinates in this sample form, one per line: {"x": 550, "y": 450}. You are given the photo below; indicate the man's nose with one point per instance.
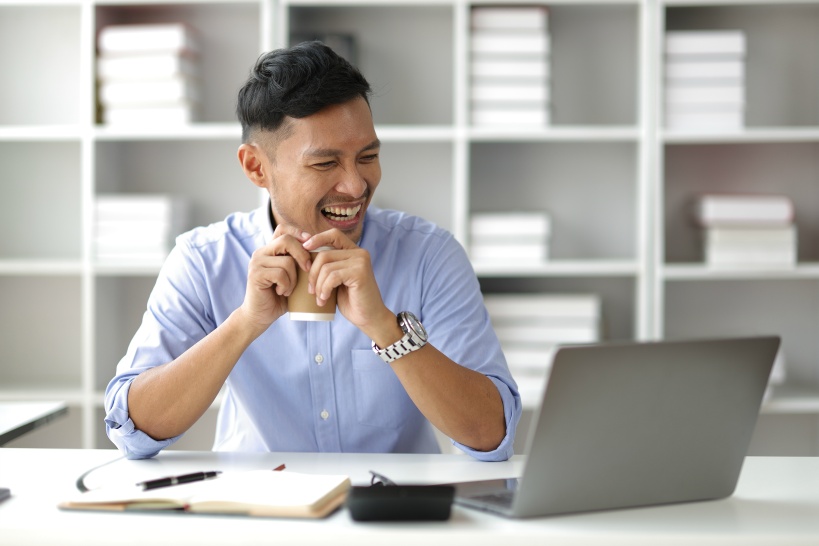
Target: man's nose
{"x": 352, "y": 182}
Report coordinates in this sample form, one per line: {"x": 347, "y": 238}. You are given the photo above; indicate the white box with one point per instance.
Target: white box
{"x": 743, "y": 209}
{"x": 696, "y": 70}
{"x": 510, "y": 92}
{"x": 157, "y": 92}
{"x": 146, "y": 67}
{"x": 510, "y": 17}
{"x": 505, "y": 42}
{"x": 140, "y": 39}
{"x": 510, "y": 225}
{"x": 517, "y": 115}
{"x": 561, "y": 306}
{"x": 705, "y": 42}
{"x": 512, "y": 67}
{"x": 504, "y": 253}
{"x": 704, "y": 94}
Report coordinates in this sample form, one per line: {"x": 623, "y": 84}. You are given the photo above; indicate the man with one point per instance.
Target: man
{"x": 365, "y": 382}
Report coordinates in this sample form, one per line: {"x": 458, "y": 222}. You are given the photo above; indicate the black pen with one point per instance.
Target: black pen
{"x": 176, "y": 480}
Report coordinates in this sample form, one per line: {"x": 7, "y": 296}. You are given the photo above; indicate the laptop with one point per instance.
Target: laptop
{"x": 636, "y": 424}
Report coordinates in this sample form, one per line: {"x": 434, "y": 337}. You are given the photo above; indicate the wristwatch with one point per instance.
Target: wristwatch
{"x": 415, "y": 337}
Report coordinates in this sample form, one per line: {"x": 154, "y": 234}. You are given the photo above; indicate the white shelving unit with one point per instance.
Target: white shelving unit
{"x": 776, "y": 152}
{"x": 612, "y": 179}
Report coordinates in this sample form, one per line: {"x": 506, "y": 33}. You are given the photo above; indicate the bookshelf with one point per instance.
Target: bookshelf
{"x": 618, "y": 229}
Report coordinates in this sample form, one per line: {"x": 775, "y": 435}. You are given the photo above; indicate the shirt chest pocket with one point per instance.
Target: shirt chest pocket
{"x": 380, "y": 399}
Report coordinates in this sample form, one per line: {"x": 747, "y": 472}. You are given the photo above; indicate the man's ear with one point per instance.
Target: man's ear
{"x": 251, "y": 160}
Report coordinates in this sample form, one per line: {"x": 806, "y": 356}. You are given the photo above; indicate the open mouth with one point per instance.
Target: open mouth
{"x": 341, "y": 214}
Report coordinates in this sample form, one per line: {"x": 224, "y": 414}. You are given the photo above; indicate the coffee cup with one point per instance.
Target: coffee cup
{"x": 301, "y": 305}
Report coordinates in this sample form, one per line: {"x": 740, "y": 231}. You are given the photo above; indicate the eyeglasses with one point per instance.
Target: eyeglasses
{"x": 380, "y": 480}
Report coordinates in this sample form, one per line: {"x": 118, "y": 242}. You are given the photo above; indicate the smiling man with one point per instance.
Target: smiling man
{"x": 372, "y": 380}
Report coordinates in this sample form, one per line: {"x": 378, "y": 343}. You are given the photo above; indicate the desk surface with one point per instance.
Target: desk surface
{"x": 776, "y": 502}
{"x": 17, "y": 418}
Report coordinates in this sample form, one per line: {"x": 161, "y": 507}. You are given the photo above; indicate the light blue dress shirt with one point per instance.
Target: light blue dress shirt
{"x": 314, "y": 386}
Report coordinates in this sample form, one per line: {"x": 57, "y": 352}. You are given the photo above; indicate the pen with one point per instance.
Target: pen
{"x": 176, "y": 480}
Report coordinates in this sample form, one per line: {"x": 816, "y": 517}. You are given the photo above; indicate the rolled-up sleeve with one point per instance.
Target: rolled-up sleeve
{"x": 459, "y": 325}
{"x": 174, "y": 320}
{"x": 132, "y": 442}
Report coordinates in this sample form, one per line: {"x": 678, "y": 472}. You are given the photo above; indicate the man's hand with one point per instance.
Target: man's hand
{"x": 272, "y": 275}
{"x": 349, "y": 269}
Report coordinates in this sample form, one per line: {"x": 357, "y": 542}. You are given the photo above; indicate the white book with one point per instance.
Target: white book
{"x": 705, "y": 120}
{"x": 181, "y": 113}
{"x": 780, "y": 259}
{"x": 743, "y": 209}
{"x": 705, "y": 42}
{"x": 504, "y": 253}
{"x": 139, "y": 206}
{"x": 521, "y": 357}
{"x": 146, "y": 233}
{"x": 504, "y": 42}
{"x": 529, "y": 116}
{"x": 510, "y": 92}
{"x": 569, "y": 306}
{"x": 510, "y": 68}
{"x": 136, "y": 256}
{"x": 695, "y": 70}
{"x": 171, "y": 91}
{"x": 510, "y": 17}
{"x": 141, "y": 39}
{"x": 146, "y": 67}
{"x": 534, "y": 334}
{"x": 772, "y": 237}
{"x": 510, "y": 224}
{"x": 722, "y": 94}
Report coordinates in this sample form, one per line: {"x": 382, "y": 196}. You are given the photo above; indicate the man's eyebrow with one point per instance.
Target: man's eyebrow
{"x": 332, "y": 152}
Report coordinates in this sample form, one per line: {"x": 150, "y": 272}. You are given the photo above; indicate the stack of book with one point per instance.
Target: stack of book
{"x": 518, "y": 237}
{"x": 510, "y": 65}
{"x": 705, "y": 80}
{"x": 747, "y": 230}
{"x": 148, "y": 74}
{"x": 137, "y": 227}
{"x": 530, "y": 327}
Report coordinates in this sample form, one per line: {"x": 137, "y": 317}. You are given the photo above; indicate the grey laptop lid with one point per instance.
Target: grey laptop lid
{"x": 636, "y": 424}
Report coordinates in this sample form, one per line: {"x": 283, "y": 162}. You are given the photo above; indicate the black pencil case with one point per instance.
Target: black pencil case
{"x": 401, "y": 502}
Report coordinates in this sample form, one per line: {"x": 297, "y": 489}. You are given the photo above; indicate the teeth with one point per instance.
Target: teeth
{"x": 341, "y": 213}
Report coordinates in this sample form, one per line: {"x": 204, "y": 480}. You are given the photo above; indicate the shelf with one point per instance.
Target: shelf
{"x": 555, "y": 133}
{"x": 749, "y": 135}
{"x": 789, "y": 399}
{"x": 689, "y": 272}
{"x": 70, "y": 396}
{"x": 40, "y": 267}
{"x": 580, "y": 268}
{"x": 414, "y": 133}
{"x": 196, "y": 131}
{"x": 127, "y": 269}
{"x": 786, "y": 399}
{"x": 40, "y": 133}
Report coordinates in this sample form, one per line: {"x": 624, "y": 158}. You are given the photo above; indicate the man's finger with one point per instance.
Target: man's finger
{"x": 333, "y": 237}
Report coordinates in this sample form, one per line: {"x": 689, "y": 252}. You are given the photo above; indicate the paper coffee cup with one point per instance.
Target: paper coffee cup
{"x": 301, "y": 305}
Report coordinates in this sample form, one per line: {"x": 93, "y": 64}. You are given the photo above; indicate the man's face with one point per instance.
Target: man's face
{"x": 322, "y": 174}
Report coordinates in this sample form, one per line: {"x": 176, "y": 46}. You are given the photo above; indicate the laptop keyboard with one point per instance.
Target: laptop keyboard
{"x": 502, "y": 498}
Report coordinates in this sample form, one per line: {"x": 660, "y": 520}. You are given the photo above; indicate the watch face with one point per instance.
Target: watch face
{"x": 415, "y": 325}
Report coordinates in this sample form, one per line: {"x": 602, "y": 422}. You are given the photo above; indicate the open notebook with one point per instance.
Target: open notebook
{"x": 252, "y": 493}
{"x": 636, "y": 424}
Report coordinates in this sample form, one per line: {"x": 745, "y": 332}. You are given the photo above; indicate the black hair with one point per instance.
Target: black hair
{"x": 296, "y": 82}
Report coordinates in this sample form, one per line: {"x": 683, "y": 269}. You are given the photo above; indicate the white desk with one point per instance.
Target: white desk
{"x": 17, "y": 418}
{"x": 776, "y": 503}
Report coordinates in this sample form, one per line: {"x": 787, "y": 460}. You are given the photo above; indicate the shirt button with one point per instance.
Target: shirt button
{"x": 318, "y": 358}
{"x": 325, "y": 414}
